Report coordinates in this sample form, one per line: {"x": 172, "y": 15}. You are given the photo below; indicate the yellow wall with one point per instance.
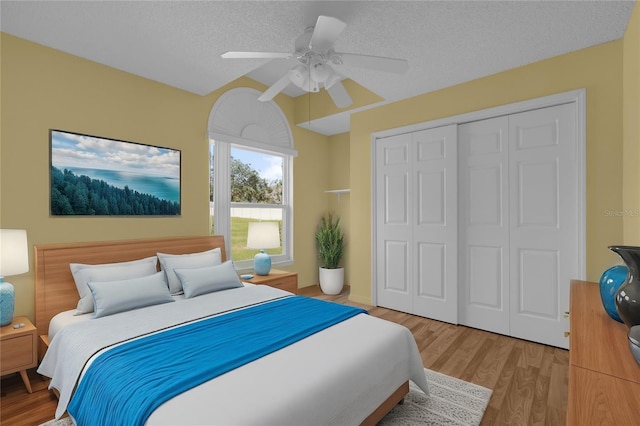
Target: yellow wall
{"x": 631, "y": 129}
{"x": 598, "y": 69}
{"x": 309, "y": 183}
{"x": 43, "y": 88}
{"x": 339, "y": 179}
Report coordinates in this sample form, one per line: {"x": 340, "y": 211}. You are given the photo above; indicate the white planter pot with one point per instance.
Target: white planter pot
{"x": 331, "y": 280}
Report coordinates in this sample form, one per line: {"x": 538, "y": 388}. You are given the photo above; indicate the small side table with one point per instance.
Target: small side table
{"x": 279, "y": 279}
{"x": 18, "y": 349}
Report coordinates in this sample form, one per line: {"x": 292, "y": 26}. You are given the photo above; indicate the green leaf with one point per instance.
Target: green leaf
{"x": 330, "y": 242}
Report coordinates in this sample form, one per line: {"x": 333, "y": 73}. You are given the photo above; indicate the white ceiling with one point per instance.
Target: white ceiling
{"x": 446, "y": 42}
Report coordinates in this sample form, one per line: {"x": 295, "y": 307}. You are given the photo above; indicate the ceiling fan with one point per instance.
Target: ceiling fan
{"x": 315, "y": 54}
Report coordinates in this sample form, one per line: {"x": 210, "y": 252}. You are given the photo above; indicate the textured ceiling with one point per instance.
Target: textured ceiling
{"x": 446, "y": 42}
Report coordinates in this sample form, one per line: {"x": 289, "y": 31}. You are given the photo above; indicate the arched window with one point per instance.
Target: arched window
{"x": 251, "y": 173}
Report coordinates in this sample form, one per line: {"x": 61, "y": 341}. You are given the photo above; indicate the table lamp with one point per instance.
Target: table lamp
{"x": 14, "y": 260}
{"x": 263, "y": 235}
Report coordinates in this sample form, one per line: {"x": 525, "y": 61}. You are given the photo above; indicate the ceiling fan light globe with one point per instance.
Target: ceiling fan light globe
{"x": 299, "y": 76}
{"x": 320, "y": 72}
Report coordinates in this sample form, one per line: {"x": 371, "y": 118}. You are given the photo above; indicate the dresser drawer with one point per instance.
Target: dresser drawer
{"x": 283, "y": 280}
{"x": 286, "y": 283}
{"x": 17, "y": 353}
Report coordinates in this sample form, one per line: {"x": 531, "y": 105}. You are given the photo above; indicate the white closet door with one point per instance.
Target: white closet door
{"x": 416, "y": 223}
{"x": 543, "y": 231}
{"x": 436, "y": 224}
{"x": 394, "y": 227}
{"x": 483, "y": 166}
{"x": 511, "y": 193}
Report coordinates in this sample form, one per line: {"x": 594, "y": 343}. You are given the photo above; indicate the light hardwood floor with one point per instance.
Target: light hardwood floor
{"x": 529, "y": 380}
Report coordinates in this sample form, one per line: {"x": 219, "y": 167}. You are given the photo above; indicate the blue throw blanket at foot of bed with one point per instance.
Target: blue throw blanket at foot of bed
{"x": 124, "y": 385}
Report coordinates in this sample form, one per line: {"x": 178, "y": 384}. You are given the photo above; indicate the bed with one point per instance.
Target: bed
{"x": 352, "y": 372}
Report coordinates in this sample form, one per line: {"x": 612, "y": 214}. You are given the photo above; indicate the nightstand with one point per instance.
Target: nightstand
{"x": 279, "y": 279}
{"x": 18, "y": 349}
{"x": 43, "y": 346}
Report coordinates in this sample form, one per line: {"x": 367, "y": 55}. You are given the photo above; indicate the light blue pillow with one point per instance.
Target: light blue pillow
{"x": 111, "y": 297}
{"x": 170, "y": 262}
{"x": 197, "y": 281}
{"x": 82, "y": 274}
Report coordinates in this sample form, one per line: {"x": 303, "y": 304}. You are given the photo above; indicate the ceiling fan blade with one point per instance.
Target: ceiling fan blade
{"x": 339, "y": 95}
{"x": 325, "y": 33}
{"x": 275, "y": 88}
{"x": 255, "y": 55}
{"x": 379, "y": 63}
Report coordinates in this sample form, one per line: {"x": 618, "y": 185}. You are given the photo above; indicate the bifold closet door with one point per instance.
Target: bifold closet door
{"x": 484, "y": 224}
{"x": 518, "y": 229}
{"x": 394, "y": 224}
{"x": 543, "y": 233}
{"x": 416, "y": 223}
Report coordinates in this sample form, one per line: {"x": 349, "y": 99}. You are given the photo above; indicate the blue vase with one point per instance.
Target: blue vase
{"x": 610, "y": 282}
{"x": 262, "y": 263}
{"x": 7, "y": 298}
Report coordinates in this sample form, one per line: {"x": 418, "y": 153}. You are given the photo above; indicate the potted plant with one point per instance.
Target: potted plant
{"x": 330, "y": 242}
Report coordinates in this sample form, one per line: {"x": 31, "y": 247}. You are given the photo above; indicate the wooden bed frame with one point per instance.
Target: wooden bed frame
{"x": 55, "y": 290}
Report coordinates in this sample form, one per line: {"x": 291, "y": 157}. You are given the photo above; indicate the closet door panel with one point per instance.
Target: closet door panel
{"x": 394, "y": 227}
{"x": 431, "y": 267}
{"x": 485, "y": 277}
{"x": 395, "y": 267}
{"x": 543, "y": 231}
{"x": 396, "y": 198}
{"x": 484, "y": 225}
{"x": 538, "y": 192}
{"x": 485, "y": 201}
{"x": 431, "y": 198}
{"x": 538, "y": 283}
{"x": 435, "y": 228}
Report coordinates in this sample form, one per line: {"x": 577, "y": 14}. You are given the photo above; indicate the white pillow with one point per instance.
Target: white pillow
{"x": 169, "y": 262}
{"x": 82, "y": 274}
{"x": 111, "y": 297}
{"x": 199, "y": 281}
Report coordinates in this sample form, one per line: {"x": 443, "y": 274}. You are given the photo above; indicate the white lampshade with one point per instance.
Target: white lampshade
{"x": 14, "y": 252}
{"x": 263, "y": 235}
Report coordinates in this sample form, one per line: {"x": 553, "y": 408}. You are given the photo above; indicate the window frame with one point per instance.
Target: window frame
{"x": 222, "y": 200}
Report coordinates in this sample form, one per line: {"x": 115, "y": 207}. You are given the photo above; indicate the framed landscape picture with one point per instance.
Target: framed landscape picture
{"x": 96, "y": 176}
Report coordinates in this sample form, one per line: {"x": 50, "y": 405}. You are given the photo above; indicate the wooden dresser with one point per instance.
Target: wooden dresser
{"x": 604, "y": 379}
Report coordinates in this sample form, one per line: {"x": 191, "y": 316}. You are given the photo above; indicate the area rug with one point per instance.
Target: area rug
{"x": 450, "y": 402}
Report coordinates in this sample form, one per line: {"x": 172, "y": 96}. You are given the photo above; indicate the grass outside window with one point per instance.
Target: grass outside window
{"x": 239, "y": 230}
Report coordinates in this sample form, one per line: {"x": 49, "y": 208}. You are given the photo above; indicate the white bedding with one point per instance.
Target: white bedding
{"x": 337, "y": 376}
{"x": 65, "y": 318}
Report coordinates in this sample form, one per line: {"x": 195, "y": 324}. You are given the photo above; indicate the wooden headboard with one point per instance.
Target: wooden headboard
{"x": 55, "y": 290}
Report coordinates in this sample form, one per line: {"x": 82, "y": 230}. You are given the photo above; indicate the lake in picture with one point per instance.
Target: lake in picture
{"x": 165, "y": 188}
